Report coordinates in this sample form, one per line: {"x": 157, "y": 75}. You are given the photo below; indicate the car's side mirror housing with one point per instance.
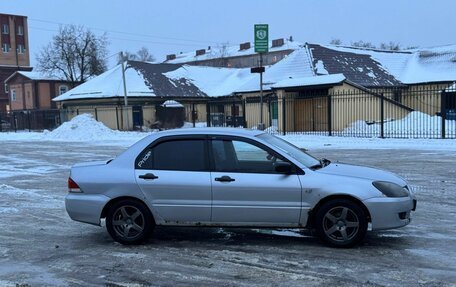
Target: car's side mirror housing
{"x": 283, "y": 167}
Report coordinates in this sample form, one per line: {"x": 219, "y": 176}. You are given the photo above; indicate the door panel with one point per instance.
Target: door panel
{"x": 255, "y": 194}
{"x": 175, "y": 178}
{"x": 270, "y": 199}
{"x": 179, "y": 197}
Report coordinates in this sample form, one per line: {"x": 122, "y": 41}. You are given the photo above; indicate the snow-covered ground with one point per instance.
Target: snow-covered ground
{"x": 84, "y": 128}
{"x": 41, "y": 246}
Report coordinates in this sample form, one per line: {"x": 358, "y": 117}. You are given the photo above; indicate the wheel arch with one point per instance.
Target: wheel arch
{"x": 113, "y": 201}
{"x": 313, "y": 211}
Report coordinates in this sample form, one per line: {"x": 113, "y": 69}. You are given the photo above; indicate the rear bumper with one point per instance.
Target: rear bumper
{"x": 85, "y": 207}
{"x": 387, "y": 212}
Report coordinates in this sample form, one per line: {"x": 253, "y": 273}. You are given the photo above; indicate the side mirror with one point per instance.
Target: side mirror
{"x": 283, "y": 167}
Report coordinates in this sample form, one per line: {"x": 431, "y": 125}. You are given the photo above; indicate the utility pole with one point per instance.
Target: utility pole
{"x": 261, "y": 126}
{"x": 124, "y": 90}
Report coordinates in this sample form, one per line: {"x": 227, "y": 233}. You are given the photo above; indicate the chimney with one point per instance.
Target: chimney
{"x": 277, "y": 42}
{"x": 244, "y": 46}
{"x": 170, "y": 57}
{"x": 200, "y": 52}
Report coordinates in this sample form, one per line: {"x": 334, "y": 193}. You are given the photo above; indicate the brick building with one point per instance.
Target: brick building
{"x": 14, "y": 54}
{"x": 237, "y": 56}
{"x": 32, "y": 90}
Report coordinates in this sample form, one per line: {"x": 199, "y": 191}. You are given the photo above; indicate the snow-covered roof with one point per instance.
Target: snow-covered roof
{"x": 212, "y": 81}
{"x": 295, "y": 65}
{"x": 359, "y": 68}
{"x": 310, "y": 81}
{"x": 36, "y": 76}
{"x": 172, "y": 104}
{"x": 142, "y": 80}
{"x": 229, "y": 51}
{"x": 436, "y": 64}
{"x": 451, "y": 88}
{"x": 109, "y": 84}
{"x": 174, "y": 80}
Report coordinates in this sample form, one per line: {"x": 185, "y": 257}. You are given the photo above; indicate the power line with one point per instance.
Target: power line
{"x": 125, "y": 39}
{"x": 132, "y": 34}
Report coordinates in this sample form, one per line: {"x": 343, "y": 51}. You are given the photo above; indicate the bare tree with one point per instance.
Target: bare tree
{"x": 127, "y": 56}
{"x": 142, "y": 55}
{"x": 145, "y": 55}
{"x": 362, "y": 44}
{"x": 335, "y": 41}
{"x": 74, "y": 54}
{"x": 393, "y": 46}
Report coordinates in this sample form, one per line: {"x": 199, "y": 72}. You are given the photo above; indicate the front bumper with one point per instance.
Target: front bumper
{"x": 85, "y": 207}
{"x": 388, "y": 212}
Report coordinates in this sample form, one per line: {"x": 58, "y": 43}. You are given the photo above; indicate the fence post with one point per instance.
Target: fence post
{"x": 117, "y": 118}
{"x": 1, "y": 128}
{"x": 382, "y": 116}
{"x": 244, "y": 122}
{"x": 58, "y": 118}
{"x": 193, "y": 115}
{"x": 15, "y": 122}
{"x": 208, "y": 114}
{"x": 233, "y": 114}
{"x": 443, "y": 110}
{"x": 96, "y": 114}
{"x": 329, "y": 115}
{"x": 29, "y": 123}
{"x": 284, "y": 123}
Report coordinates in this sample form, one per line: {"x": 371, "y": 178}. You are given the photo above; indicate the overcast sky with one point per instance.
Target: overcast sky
{"x": 172, "y": 26}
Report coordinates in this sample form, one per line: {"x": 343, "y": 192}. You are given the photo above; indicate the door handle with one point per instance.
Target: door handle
{"x": 148, "y": 176}
{"x": 224, "y": 178}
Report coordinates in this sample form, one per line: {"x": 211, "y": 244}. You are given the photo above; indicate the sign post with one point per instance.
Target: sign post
{"x": 261, "y": 46}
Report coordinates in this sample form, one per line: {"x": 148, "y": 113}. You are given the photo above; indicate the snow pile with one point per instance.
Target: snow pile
{"x": 81, "y": 127}
{"x": 414, "y": 125}
{"x": 85, "y": 128}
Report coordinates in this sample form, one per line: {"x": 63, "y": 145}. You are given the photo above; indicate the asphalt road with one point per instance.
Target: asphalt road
{"x": 41, "y": 246}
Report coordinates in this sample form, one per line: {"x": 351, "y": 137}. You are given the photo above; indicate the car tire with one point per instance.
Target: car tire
{"x": 341, "y": 223}
{"x": 129, "y": 222}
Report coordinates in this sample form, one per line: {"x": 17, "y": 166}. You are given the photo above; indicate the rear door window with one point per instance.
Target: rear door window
{"x": 183, "y": 155}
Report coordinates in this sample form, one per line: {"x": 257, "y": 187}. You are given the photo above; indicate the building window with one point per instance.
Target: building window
{"x": 13, "y": 95}
{"x": 6, "y": 88}
{"x": 5, "y": 29}
{"x": 20, "y": 30}
{"x": 6, "y": 47}
{"x": 20, "y": 49}
{"x": 63, "y": 89}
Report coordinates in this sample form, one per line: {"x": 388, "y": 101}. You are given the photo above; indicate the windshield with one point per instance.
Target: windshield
{"x": 293, "y": 151}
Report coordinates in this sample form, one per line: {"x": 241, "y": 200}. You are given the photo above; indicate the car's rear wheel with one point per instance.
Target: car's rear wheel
{"x": 341, "y": 223}
{"x": 129, "y": 222}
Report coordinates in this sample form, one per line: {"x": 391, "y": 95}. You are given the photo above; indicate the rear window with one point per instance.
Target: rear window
{"x": 185, "y": 155}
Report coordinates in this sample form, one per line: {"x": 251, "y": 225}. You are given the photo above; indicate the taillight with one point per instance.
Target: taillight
{"x": 73, "y": 186}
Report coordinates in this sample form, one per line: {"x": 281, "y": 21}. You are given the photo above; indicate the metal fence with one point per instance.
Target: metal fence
{"x": 30, "y": 120}
{"x": 405, "y": 112}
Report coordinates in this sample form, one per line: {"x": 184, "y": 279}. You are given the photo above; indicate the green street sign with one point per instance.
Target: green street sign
{"x": 261, "y": 38}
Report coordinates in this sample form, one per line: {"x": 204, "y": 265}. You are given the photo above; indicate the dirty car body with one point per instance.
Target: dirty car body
{"x": 234, "y": 178}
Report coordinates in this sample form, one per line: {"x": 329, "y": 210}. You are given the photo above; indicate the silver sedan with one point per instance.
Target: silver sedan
{"x": 234, "y": 178}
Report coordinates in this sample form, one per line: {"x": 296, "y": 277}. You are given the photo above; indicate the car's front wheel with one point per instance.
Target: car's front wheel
{"x": 341, "y": 223}
{"x": 129, "y": 222}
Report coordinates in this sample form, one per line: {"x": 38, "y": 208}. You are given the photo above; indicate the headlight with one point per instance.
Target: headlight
{"x": 390, "y": 189}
